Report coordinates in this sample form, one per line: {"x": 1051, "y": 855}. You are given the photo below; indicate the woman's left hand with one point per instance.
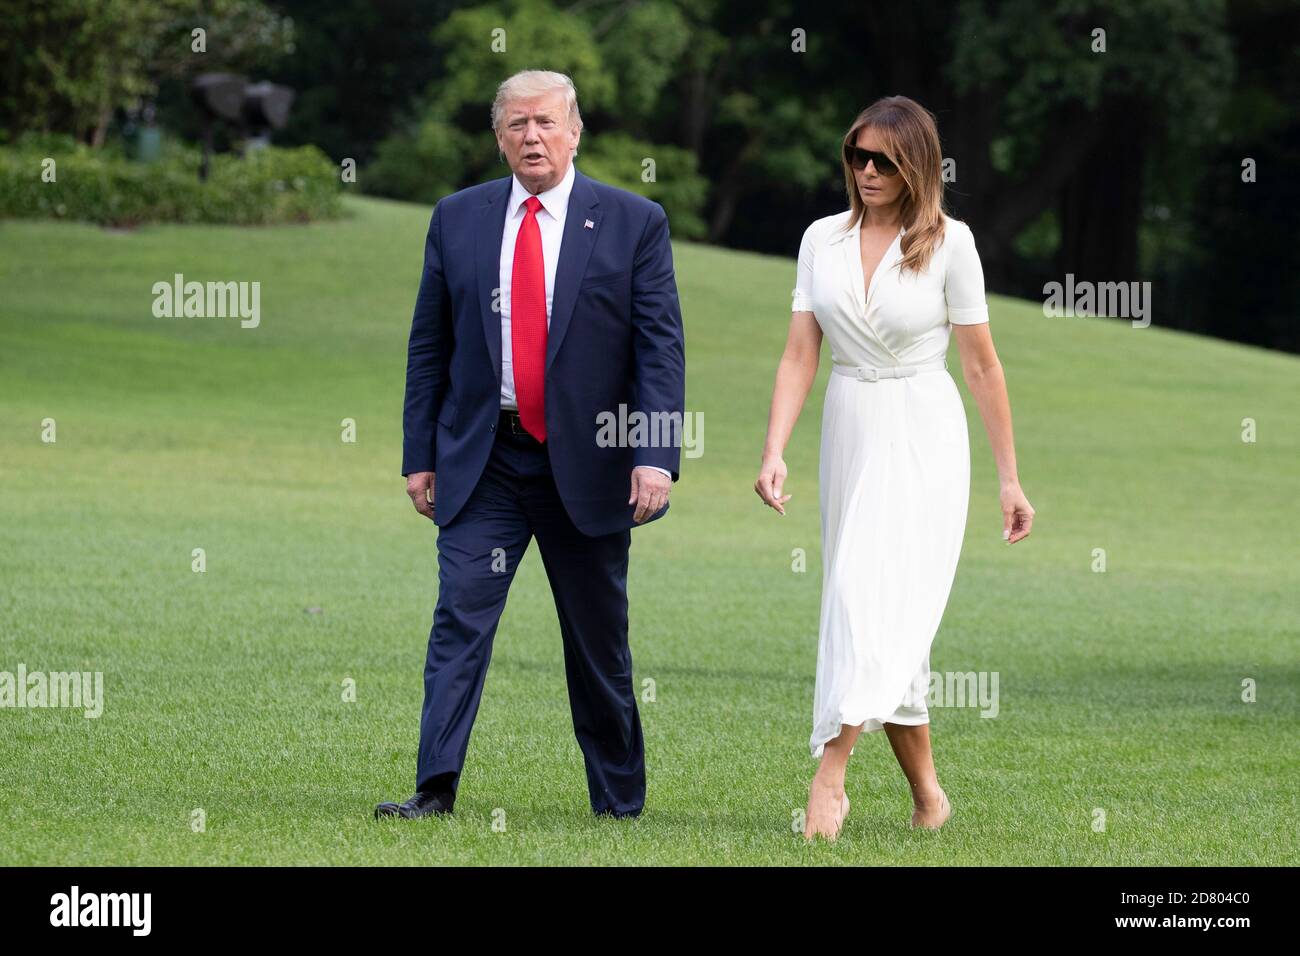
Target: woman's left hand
{"x": 1017, "y": 513}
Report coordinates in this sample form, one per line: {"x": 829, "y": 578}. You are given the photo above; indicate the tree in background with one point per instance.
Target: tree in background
{"x": 1070, "y": 130}
{"x": 620, "y": 58}
{"x": 69, "y": 64}
{"x": 357, "y": 67}
{"x": 1230, "y": 250}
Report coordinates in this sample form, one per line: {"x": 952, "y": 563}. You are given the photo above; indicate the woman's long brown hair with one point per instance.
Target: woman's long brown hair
{"x": 910, "y": 138}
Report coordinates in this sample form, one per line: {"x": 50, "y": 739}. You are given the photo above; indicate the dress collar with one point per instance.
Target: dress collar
{"x": 840, "y": 235}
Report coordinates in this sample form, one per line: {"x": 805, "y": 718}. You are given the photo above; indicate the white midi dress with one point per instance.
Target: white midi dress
{"x": 894, "y": 471}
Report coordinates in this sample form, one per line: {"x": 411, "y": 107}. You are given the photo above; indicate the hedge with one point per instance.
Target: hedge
{"x": 271, "y": 185}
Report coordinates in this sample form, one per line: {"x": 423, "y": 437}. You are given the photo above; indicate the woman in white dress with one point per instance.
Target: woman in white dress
{"x": 887, "y": 282}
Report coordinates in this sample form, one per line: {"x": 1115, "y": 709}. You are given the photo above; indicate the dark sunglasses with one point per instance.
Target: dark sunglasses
{"x": 857, "y": 158}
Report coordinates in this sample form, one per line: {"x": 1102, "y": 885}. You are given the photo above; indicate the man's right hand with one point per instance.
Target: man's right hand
{"x": 419, "y": 486}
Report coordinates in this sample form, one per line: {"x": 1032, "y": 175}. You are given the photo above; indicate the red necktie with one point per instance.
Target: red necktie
{"x": 528, "y": 323}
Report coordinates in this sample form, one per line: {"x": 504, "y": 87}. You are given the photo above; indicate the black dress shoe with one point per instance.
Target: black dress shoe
{"x": 421, "y": 805}
{"x": 625, "y": 815}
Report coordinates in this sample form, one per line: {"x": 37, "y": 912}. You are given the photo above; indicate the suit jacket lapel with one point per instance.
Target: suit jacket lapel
{"x": 575, "y": 251}
{"x": 489, "y": 226}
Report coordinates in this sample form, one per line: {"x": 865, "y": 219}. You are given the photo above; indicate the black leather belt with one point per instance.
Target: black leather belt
{"x": 509, "y": 423}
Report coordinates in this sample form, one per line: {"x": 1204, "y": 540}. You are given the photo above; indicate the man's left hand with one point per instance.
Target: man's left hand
{"x": 650, "y": 489}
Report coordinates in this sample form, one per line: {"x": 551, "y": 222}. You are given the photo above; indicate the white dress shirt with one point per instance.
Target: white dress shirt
{"x": 550, "y": 222}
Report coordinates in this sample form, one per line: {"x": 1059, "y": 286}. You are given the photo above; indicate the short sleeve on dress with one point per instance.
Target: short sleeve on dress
{"x": 802, "y": 300}
{"x": 964, "y": 281}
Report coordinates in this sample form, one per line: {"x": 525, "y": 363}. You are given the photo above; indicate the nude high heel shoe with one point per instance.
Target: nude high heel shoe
{"x": 844, "y": 812}
{"x": 944, "y": 806}
{"x": 839, "y": 825}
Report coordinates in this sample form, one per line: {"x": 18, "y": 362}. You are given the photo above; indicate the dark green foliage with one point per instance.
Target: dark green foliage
{"x": 103, "y": 186}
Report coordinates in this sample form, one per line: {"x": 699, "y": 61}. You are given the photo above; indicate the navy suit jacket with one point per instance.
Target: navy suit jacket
{"x": 615, "y": 338}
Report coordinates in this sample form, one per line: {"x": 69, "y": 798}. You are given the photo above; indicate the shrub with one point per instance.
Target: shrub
{"x": 103, "y": 186}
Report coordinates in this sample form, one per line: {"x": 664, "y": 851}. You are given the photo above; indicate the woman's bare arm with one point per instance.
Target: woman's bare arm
{"x": 794, "y": 379}
{"x": 982, "y": 371}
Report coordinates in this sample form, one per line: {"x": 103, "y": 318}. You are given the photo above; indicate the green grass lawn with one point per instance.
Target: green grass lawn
{"x": 1120, "y": 691}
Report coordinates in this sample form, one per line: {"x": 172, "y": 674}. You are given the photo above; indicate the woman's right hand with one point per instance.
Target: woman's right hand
{"x": 771, "y": 479}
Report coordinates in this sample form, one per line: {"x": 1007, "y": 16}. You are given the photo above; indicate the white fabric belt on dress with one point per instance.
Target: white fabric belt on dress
{"x": 864, "y": 374}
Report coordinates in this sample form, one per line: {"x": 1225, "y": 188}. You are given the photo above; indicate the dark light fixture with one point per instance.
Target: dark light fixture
{"x": 257, "y": 108}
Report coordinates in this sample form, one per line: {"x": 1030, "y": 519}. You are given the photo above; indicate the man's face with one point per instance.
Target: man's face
{"x": 537, "y": 140}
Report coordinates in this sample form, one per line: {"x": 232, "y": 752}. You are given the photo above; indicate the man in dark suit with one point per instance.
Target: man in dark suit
{"x": 547, "y": 305}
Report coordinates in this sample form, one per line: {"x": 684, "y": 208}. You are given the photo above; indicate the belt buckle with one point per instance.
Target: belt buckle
{"x": 868, "y": 375}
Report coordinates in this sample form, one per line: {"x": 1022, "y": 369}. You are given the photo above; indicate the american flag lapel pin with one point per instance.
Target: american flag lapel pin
{"x": 588, "y": 225}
